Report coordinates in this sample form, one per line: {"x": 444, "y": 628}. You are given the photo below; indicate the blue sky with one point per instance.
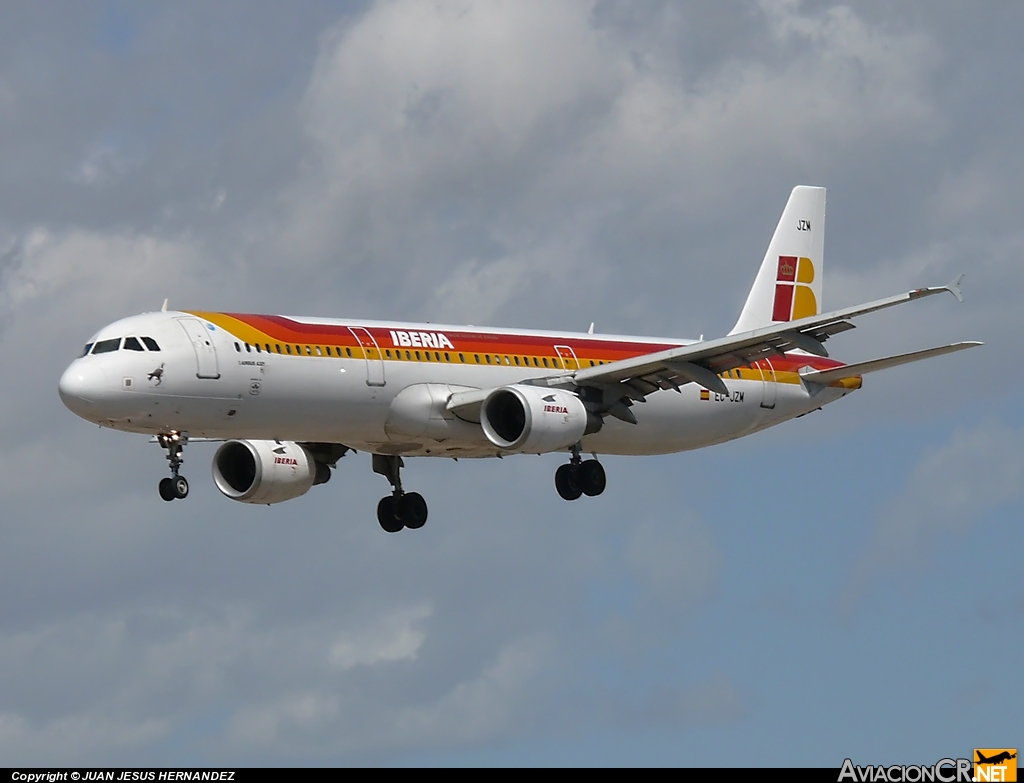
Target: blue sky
{"x": 842, "y": 586}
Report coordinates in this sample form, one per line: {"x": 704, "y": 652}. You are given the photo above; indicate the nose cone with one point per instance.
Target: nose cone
{"x": 81, "y": 386}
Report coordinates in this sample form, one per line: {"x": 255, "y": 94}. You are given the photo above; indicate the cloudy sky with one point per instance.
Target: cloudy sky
{"x": 848, "y": 584}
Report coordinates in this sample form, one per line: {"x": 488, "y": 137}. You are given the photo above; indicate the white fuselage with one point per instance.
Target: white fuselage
{"x": 211, "y": 381}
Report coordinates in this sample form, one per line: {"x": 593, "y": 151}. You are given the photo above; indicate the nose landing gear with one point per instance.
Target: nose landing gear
{"x": 580, "y": 477}
{"x": 399, "y": 509}
{"x": 176, "y": 486}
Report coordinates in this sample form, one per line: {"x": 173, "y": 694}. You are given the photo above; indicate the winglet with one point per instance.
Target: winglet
{"x": 954, "y": 288}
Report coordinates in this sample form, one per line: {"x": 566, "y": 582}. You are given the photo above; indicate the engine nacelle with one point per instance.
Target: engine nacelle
{"x": 532, "y": 419}
{"x": 265, "y": 471}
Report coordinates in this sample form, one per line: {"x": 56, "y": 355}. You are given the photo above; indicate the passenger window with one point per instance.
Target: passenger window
{"x": 106, "y": 346}
{"x": 349, "y": 352}
{"x": 150, "y": 343}
{"x": 545, "y": 361}
{"x": 591, "y": 362}
{"x": 248, "y": 348}
{"x": 132, "y": 344}
{"x": 318, "y": 351}
{"x": 408, "y": 356}
{"x": 257, "y": 345}
{"x": 289, "y": 349}
{"x": 535, "y": 364}
{"x": 267, "y": 346}
{"x": 309, "y": 351}
{"x": 88, "y": 347}
{"x": 426, "y": 355}
{"x": 388, "y": 353}
{"x": 488, "y": 357}
{"x": 517, "y": 361}
{"x": 447, "y": 358}
{"x": 238, "y": 348}
{"x": 477, "y": 357}
{"x": 462, "y": 358}
{"x": 278, "y": 347}
{"x": 437, "y": 356}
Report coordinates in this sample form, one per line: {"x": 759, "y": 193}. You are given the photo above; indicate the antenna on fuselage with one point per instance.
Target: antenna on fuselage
{"x": 591, "y": 329}
{"x": 164, "y": 308}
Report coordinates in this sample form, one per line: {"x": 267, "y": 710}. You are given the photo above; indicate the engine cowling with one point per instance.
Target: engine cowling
{"x": 531, "y": 419}
{"x": 265, "y": 471}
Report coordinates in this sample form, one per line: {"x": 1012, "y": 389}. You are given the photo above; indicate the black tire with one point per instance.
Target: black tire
{"x": 567, "y": 482}
{"x": 167, "y": 489}
{"x": 387, "y": 516}
{"x": 180, "y": 486}
{"x": 412, "y": 509}
{"x": 591, "y": 478}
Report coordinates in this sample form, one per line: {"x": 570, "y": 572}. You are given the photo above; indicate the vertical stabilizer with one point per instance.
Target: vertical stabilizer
{"x": 788, "y": 284}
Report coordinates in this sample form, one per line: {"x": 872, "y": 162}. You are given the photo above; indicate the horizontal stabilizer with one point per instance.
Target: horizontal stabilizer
{"x": 853, "y": 370}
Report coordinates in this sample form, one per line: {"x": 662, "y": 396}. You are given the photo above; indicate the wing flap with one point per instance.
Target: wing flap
{"x": 853, "y": 370}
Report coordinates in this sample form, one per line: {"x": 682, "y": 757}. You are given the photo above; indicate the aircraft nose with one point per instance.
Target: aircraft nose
{"x": 80, "y": 386}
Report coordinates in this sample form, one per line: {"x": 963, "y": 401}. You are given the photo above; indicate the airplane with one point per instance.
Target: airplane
{"x": 996, "y": 759}
{"x": 287, "y": 397}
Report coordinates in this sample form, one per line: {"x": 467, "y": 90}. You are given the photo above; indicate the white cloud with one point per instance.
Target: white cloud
{"x": 470, "y": 157}
{"x": 394, "y": 637}
{"x": 952, "y": 487}
{"x": 98, "y": 275}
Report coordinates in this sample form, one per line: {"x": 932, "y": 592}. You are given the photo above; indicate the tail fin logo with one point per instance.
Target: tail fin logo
{"x": 794, "y": 298}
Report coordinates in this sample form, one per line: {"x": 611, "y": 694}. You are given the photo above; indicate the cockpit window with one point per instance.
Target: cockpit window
{"x": 88, "y": 347}
{"x": 132, "y": 344}
{"x": 151, "y": 343}
{"x": 106, "y": 346}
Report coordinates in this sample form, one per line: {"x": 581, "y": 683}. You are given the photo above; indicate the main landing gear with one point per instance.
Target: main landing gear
{"x": 580, "y": 477}
{"x": 176, "y": 486}
{"x": 399, "y": 509}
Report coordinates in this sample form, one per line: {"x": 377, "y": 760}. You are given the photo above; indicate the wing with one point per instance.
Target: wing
{"x": 618, "y": 383}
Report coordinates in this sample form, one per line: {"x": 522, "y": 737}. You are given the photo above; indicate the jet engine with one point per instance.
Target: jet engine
{"x": 533, "y": 419}
{"x": 266, "y": 471}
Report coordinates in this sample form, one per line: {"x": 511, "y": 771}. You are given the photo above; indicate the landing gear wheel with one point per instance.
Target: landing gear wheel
{"x": 167, "y": 489}
{"x": 591, "y": 478}
{"x": 567, "y": 482}
{"x": 387, "y": 516}
{"x": 412, "y": 510}
{"x": 180, "y": 487}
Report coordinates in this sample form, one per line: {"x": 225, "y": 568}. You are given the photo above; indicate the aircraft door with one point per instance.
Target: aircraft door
{"x": 768, "y": 382}
{"x": 202, "y": 344}
{"x": 374, "y": 360}
{"x": 568, "y": 357}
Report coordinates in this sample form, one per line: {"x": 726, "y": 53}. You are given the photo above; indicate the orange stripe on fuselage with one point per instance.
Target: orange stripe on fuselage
{"x": 531, "y": 349}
